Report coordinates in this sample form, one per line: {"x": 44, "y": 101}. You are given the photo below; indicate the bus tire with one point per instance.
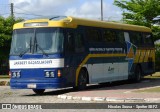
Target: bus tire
{"x": 82, "y": 79}
{"x": 39, "y": 91}
{"x": 138, "y": 74}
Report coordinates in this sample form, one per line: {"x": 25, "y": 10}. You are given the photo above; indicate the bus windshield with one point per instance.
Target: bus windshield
{"x": 37, "y": 40}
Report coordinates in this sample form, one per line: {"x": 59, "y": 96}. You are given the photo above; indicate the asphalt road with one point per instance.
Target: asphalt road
{"x": 8, "y": 95}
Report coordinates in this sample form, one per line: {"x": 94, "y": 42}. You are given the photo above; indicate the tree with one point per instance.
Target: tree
{"x": 6, "y": 25}
{"x": 139, "y": 11}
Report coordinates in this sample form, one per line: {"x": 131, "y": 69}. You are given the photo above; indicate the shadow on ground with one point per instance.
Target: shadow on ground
{"x": 145, "y": 83}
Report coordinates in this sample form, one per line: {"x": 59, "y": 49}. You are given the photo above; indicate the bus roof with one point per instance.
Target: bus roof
{"x": 73, "y": 22}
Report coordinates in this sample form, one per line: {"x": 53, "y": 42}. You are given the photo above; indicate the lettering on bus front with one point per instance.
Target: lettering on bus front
{"x": 33, "y": 62}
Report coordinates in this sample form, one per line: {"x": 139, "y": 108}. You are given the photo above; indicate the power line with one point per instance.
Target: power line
{"x": 4, "y": 4}
{"x": 28, "y": 14}
{"x": 4, "y": 14}
{"x": 25, "y": 11}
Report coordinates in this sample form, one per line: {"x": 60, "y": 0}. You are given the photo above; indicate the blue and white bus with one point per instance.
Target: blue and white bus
{"x": 63, "y": 52}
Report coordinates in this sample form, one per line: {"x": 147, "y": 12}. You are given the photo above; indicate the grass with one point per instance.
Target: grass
{"x": 4, "y": 83}
{"x": 154, "y": 76}
{"x": 151, "y": 90}
{"x": 154, "y": 89}
{"x": 4, "y": 76}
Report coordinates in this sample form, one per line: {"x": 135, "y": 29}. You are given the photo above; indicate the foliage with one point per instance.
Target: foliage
{"x": 156, "y": 32}
{"x": 141, "y": 12}
{"x": 6, "y": 25}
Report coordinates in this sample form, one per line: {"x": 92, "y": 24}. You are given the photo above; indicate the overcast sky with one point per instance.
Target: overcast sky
{"x": 78, "y": 8}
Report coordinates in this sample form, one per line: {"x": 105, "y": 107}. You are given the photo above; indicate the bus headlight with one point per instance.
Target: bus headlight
{"x": 51, "y": 74}
{"x": 16, "y": 74}
{"x": 47, "y": 74}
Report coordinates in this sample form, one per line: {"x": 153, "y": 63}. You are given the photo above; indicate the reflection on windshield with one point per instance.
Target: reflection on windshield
{"x": 51, "y": 41}
{"x": 21, "y": 41}
{"x": 40, "y": 40}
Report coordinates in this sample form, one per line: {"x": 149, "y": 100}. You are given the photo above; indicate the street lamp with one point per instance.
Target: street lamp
{"x": 101, "y": 10}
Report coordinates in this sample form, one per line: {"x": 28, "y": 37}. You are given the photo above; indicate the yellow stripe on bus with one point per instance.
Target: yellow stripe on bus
{"x": 136, "y": 58}
{"x": 94, "y": 56}
{"x": 147, "y": 55}
{"x": 143, "y": 55}
{"x": 152, "y": 55}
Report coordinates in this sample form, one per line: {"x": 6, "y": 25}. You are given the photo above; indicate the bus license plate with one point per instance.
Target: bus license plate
{"x": 31, "y": 86}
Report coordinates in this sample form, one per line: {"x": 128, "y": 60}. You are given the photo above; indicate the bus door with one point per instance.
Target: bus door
{"x": 74, "y": 52}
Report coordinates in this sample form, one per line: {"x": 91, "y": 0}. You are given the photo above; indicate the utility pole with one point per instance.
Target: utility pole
{"x": 101, "y": 10}
{"x": 12, "y": 13}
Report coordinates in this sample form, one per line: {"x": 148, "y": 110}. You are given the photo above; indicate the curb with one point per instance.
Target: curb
{"x": 4, "y": 83}
{"x": 110, "y": 99}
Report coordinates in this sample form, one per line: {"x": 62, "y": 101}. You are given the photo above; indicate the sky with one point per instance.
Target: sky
{"x": 78, "y": 8}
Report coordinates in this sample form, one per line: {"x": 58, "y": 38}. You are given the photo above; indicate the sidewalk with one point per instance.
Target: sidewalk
{"x": 116, "y": 92}
{"x": 122, "y": 92}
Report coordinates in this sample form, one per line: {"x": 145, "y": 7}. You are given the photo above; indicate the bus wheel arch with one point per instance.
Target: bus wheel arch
{"x": 83, "y": 79}
{"x": 85, "y": 69}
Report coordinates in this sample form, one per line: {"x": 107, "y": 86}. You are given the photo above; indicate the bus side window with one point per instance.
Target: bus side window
{"x": 70, "y": 42}
{"x": 109, "y": 36}
{"x": 93, "y": 35}
{"x": 120, "y": 36}
{"x": 136, "y": 38}
{"x": 79, "y": 43}
{"x": 147, "y": 38}
{"x": 126, "y": 36}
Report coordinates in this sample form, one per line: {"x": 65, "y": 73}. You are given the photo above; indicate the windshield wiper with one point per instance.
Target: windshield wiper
{"x": 27, "y": 49}
{"x": 37, "y": 45}
{"x": 23, "y": 52}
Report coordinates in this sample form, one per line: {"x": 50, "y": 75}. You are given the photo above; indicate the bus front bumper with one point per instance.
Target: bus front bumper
{"x": 37, "y": 83}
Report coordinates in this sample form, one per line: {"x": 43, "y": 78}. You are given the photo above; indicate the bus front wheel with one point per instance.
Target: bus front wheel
{"x": 39, "y": 91}
{"x": 82, "y": 80}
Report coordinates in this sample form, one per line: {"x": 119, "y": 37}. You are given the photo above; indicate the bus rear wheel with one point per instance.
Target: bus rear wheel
{"x": 82, "y": 80}
{"x": 138, "y": 74}
{"x": 39, "y": 91}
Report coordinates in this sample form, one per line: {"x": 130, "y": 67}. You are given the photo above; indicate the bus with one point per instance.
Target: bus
{"x": 64, "y": 51}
